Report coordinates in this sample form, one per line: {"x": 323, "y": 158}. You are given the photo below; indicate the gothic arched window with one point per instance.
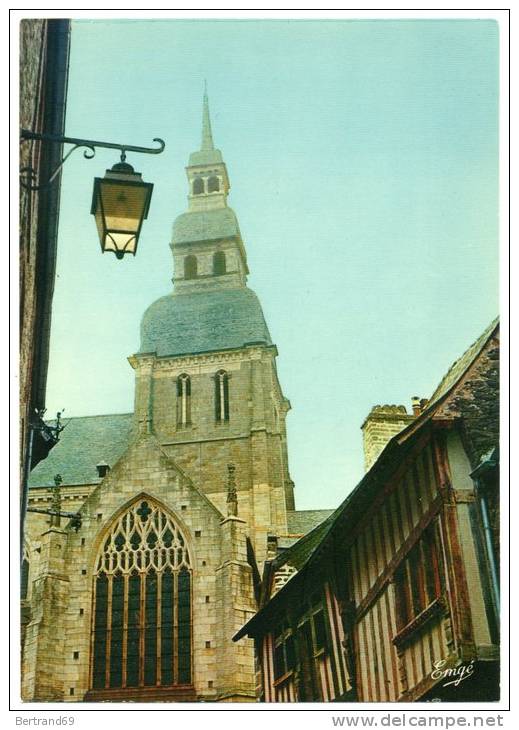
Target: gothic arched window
{"x": 24, "y": 577}
{"x": 198, "y": 186}
{"x": 183, "y": 400}
{"x": 213, "y": 185}
{"x": 219, "y": 263}
{"x": 142, "y": 603}
{"x": 221, "y": 396}
{"x": 190, "y": 267}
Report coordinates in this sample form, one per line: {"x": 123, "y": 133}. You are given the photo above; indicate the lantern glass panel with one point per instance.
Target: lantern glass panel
{"x": 123, "y": 205}
{"x": 126, "y": 242}
{"x": 100, "y": 224}
{"x": 120, "y": 204}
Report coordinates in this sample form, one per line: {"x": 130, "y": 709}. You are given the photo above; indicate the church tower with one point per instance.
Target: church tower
{"x": 206, "y": 380}
{"x": 140, "y": 600}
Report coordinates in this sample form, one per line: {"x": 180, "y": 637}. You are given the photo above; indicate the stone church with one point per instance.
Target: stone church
{"x": 179, "y": 502}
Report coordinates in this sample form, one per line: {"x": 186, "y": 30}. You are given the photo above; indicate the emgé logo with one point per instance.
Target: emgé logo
{"x": 455, "y": 675}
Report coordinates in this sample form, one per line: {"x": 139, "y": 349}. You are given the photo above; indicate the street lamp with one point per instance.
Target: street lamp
{"x": 120, "y": 201}
{"x": 120, "y": 204}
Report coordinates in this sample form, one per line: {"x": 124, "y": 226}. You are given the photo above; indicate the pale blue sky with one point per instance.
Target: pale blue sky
{"x": 363, "y": 158}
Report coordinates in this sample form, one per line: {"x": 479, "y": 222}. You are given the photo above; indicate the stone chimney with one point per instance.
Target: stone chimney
{"x": 419, "y": 405}
{"x": 380, "y": 426}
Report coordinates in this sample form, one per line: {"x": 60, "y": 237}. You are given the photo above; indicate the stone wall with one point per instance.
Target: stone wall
{"x": 236, "y": 268}
{"x": 62, "y": 583}
{"x": 254, "y": 438}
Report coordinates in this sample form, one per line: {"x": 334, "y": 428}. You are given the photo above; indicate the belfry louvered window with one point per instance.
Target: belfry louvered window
{"x": 190, "y": 267}
{"x": 213, "y": 184}
{"x": 221, "y": 396}
{"x": 198, "y": 186}
{"x": 142, "y": 626}
{"x": 183, "y": 400}
{"x": 219, "y": 263}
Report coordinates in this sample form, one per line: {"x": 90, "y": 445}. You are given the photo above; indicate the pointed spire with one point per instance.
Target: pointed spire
{"x": 207, "y": 154}
{"x": 207, "y": 136}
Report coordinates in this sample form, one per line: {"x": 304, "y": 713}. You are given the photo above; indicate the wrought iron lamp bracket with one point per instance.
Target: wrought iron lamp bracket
{"x": 27, "y": 173}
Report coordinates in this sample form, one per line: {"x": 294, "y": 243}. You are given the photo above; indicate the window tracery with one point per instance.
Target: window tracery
{"x": 142, "y": 603}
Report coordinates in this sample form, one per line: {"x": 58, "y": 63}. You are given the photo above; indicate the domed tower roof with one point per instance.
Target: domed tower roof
{"x": 203, "y": 322}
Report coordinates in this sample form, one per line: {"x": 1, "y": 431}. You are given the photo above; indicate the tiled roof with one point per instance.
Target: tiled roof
{"x": 84, "y": 442}
{"x": 181, "y": 324}
{"x": 205, "y": 225}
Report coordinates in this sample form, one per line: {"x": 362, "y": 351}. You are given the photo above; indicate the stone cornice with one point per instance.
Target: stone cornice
{"x": 204, "y": 243}
{"x": 207, "y": 167}
{"x": 215, "y": 438}
{"x": 388, "y": 417}
{"x": 205, "y": 277}
{"x": 152, "y": 361}
{"x": 73, "y": 491}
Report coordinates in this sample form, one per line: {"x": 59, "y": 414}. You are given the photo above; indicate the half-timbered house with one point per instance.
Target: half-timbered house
{"x": 395, "y": 596}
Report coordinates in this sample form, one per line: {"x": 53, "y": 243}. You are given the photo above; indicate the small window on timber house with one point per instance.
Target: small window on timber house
{"x": 213, "y": 185}
{"x": 284, "y": 651}
{"x": 142, "y": 630}
{"x": 183, "y": 400}
{"x": 198, "y": 186}
{"x": 221, "y": 396}
{"x": 419, "y": 581}
{"x": 219, "y": 263}
{"x": 312, "y": 645}
{"x": 190, "y": 267}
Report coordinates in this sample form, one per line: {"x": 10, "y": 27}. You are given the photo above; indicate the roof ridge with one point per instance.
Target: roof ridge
{"x": 474, "y": 350}
{"x": 317, "y": 509}
{"x": 284, "y": 557}
{"x": 96, "y": 415}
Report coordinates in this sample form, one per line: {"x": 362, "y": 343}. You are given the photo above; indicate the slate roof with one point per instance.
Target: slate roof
{"x": 302, "y": 521}
{"x": 182, "y": 324}
{"x": 458, "y": 368}
{"x": 83, "y": 443}
{"x": 298, "y": 554}
{"x": 205, "y": 157}
{"x": 205, "y": 225}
